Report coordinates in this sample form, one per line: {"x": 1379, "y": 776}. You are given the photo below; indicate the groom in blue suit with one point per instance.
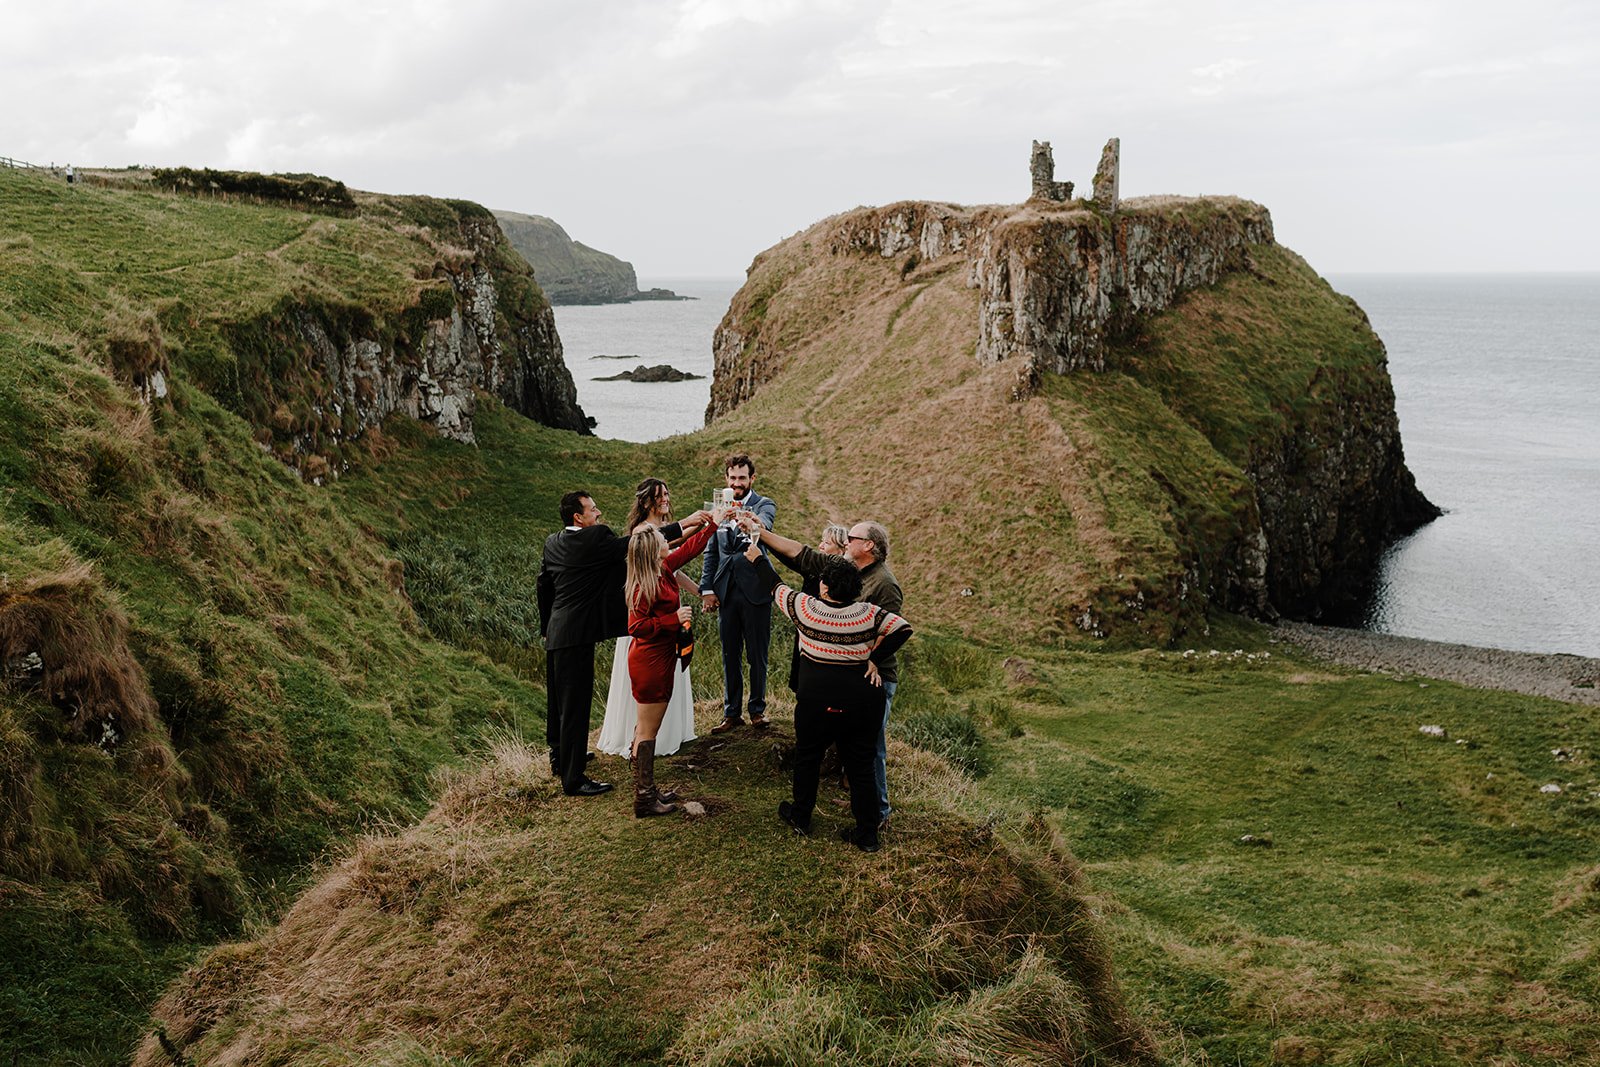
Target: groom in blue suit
{"x": 730, "y": 586}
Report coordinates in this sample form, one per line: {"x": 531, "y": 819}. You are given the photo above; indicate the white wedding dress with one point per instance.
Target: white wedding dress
{"x": 622, "y": 711}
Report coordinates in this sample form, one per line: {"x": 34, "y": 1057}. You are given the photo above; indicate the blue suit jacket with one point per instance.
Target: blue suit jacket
{"x": 726, "y": 570}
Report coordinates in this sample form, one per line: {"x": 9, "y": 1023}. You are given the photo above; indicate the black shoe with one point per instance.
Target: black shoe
{"x": 555, "y": 762}
{"x": 850, "y": 836}
{"x": 590, "y": 788}
{"x": 786, "y": 813}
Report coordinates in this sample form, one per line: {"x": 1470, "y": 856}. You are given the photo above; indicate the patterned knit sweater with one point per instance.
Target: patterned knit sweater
{"x": 836, "y": 642}
{"x": 852, "y": 634}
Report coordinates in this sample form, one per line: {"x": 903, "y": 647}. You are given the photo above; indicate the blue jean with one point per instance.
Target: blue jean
{"x": 880, "y": 774}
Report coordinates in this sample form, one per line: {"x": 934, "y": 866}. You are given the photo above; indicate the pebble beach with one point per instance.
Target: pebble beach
{"x": 1557, "y": 675}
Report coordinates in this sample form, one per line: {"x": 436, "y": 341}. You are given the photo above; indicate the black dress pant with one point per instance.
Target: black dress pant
{"x": 569, "y": 688}
{"x": 746, "y": 631}
{"x": 855, "y": 731}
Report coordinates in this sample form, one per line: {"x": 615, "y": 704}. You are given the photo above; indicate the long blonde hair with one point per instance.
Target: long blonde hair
{"x": 646, "y": 549}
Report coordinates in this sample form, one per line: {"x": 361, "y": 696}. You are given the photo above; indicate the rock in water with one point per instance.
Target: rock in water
{"x": 659, "y": 373}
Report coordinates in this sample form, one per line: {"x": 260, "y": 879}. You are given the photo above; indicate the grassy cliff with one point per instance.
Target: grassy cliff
{"x": 212, "y": 670}
{"x": 301, "y": 722}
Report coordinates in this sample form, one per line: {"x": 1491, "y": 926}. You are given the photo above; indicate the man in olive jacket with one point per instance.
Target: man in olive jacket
{"x": 868, "y": 549}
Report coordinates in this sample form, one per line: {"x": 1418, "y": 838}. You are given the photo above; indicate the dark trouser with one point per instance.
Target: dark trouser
{"x": 569, "y": 685}
{"x": 856, "y": 734}
{"x": 746, "y": 632}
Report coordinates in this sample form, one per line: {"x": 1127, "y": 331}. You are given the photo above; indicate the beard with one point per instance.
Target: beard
{"x": 739, "y": 493}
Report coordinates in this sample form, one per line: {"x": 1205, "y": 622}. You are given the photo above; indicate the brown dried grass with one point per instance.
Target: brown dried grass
{"x": 509, "y": 913}
{"x": 903, "y": 425}
{"x": 73, "y": 624}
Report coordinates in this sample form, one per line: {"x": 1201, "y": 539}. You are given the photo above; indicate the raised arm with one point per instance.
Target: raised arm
{"x": 766, "y": 574}
{"x": 786, "y": 547}
{"x": 690, "y": 548}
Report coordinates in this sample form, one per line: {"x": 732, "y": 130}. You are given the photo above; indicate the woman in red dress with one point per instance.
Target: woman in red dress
{"x": 656, "y": 616}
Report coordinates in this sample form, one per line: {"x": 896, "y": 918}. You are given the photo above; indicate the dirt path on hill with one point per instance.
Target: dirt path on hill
{"x": 1575, "y": 679}
{"x": 272, "y": 253}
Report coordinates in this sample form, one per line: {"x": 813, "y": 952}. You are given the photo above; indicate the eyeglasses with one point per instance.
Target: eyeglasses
{"x": 853, "y": 537}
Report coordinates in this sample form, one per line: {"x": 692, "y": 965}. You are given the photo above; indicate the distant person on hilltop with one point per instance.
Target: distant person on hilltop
{"x": 866, "y": 546}
{"x": 71, "y": 177}
{"x": 730, "y": 586}
{"x": 580, "y": 603}
{"x": 844, "y": 642}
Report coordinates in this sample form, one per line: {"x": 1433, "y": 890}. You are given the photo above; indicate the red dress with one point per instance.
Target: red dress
{"x": 653, "y": 652}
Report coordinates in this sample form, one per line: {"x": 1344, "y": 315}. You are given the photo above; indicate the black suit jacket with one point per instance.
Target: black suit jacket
{"x": 580, "y": 585}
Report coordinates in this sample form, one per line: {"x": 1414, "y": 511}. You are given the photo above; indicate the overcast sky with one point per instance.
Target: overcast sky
{"x": 687, "y": 135}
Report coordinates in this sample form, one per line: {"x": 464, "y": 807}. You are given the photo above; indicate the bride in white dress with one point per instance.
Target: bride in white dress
{"x": 652, "y": 504}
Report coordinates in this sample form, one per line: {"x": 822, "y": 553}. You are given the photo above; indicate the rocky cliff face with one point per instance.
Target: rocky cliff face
{"x": 315, "y": 377}
{"x": 1056, "y": 282}
{"x": 1063, "y": 288}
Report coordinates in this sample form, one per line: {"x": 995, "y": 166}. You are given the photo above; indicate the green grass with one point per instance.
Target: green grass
{"x": 299, "y": 697}
{"x": 1417, "y": 897}
{"x": 1418, "y": 901}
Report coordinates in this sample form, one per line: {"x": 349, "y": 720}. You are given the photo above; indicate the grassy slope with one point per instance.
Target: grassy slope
{"x": 298, "y": 696}
{"x": 1106, "y": 491}
{"x": 1421, "y": 901}
{"x": 1410, "y": 906}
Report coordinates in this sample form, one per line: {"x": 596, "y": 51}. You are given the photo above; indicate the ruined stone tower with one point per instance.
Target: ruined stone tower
{"x": 1043, "y": 168}
{"x": 1105, "y": 176}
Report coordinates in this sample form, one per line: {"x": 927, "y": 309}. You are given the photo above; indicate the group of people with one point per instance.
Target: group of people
{"x": 595, "y": 584}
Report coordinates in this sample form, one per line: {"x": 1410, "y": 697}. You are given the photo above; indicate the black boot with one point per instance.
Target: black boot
{"x": 645, "y": 800}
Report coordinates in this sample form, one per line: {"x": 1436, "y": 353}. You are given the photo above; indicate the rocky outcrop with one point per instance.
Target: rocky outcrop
{"x": 314, "y": 378}
{"x": 570, "y": 272}
{"x": 1331, "y": 494}
{"x": 1064, "y": 288}
{"x": 661, "y": 372}
{"x": 1057, "y": 282}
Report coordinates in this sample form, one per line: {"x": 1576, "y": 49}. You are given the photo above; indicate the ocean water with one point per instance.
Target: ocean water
{"x": 675, "y": 332}
{"x": 1497, "y": 382}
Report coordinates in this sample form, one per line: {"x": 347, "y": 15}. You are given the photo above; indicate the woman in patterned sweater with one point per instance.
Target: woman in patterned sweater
{"x": 839, "y": 698}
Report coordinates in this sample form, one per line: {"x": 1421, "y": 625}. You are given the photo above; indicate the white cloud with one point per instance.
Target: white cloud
{"x": 687, "y": 136}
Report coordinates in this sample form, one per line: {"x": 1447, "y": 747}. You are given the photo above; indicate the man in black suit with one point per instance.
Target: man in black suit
{"x": 730, "y": 586}
{"x": 580, "y": 604}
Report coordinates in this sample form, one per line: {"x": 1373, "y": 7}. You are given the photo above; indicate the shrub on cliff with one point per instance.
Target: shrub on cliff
{"x": 311, "y": 192}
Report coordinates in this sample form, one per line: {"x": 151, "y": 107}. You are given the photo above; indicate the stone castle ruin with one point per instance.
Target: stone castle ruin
{"x": 1042, "y": 168}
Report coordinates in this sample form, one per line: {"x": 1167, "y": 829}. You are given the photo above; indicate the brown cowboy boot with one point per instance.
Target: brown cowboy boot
{"x": 645, "y": 800}
{"x": 666, "y": 796}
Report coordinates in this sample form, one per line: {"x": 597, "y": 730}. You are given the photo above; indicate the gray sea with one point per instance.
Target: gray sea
{"x": 1497, "y": 382}
{"x": 604, "y": 339}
